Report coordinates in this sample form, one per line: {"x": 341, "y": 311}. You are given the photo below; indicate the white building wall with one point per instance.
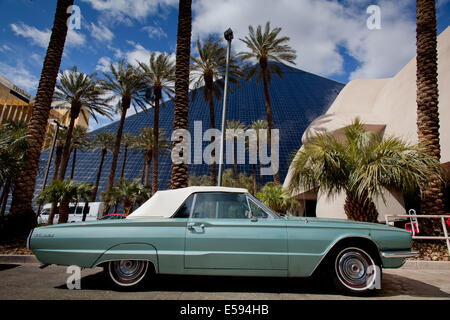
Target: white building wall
{"x": 387, "y": 106}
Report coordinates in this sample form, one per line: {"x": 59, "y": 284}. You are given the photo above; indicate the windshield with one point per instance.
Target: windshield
{"x": 263, "y": 206}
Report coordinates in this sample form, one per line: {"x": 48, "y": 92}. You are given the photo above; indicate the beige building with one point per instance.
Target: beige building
{"x": 17, "y": 104}
{"x": 387, "y": 106}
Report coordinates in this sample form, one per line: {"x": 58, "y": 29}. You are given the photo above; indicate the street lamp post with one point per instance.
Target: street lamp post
{"x": 55, "y": 135}
{"x": 228, "y": 34}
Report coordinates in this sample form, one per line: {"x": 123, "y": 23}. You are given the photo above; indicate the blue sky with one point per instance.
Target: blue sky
{"x": 331, "y": 37}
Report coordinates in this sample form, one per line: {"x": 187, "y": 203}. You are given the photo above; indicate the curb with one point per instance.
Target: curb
{"x": 426, "y": 265}
{"x": 18, "y": 258}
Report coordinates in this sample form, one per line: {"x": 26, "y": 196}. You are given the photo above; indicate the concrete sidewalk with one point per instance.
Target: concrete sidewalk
{"x": 27, "y": 281}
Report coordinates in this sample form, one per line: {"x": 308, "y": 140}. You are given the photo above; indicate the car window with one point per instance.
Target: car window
{"x": 270, "y": 214}
{"x": 185, "y": 210}
{"x": 257, "y": 212}
{"x": 221, "y": 205}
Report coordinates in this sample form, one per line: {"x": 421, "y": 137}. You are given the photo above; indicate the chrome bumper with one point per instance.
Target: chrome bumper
{"x": 29, "y": 238}
{"x": 399, "y": 254}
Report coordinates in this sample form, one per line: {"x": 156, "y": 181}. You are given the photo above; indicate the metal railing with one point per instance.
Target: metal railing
{"x": 442, "y": 217}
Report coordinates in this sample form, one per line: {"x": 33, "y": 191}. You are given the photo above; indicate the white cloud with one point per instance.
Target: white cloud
{"x": 101, "y": 33}
{"x": 318, "y": 30}
{"x": 37, "y": 37}
{"x": 118, "y": 54}
{"x": 155, "y": 32}
{"x": 20, "y": 76}
{"x": 125, "y": 10}
{"x": 42, "y": 37}
{"x": 103, "y": 64}
{"x": 5, "y": 48}
{"x": 138, "y": 54}
{"x": 36, "y": 57}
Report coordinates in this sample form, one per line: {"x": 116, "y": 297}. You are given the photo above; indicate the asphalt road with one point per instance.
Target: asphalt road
{"x": 27, "y": 281}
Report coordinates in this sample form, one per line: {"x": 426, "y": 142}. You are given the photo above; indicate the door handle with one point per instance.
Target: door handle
{"x": 193, "y": 226}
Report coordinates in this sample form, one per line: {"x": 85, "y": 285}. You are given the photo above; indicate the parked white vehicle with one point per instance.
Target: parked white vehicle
{"x": 94, "y": 211}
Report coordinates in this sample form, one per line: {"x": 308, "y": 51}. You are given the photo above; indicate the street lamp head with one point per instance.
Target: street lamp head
{"x": 228, "y": 34}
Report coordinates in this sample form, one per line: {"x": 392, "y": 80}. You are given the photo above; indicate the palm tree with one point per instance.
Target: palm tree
{"x": 85, "y": 97}
{"x": 13, "y": 147}
{"x": 209, "y": 69}
{"x": 105, "y": 142}
{"x": 128, "y": 141}
{"x": 277, "y": 198}
{"x": 160, "y": 74}
{"x": 127, "y": 192}
{"x": 234, "y": 131}
{"x": 257, "y": 126}
{"x": 63, "y": 192}
{"x": 145, "y": 144}
{"x": 363, "y": 166}
{"x": 22, "y": 217}
{"x": 80, "y": 141}
{"x": 181, "y": 110}
{"x": 265, "y": 47}
{"x": 128, "y": 84}
{"x": 432, "y": 198}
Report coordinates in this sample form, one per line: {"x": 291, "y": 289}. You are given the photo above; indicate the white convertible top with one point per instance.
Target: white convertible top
{"x": 163, "y": 204}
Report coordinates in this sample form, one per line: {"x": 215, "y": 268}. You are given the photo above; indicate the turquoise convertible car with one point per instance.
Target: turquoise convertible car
{"x": 224, "y": 231}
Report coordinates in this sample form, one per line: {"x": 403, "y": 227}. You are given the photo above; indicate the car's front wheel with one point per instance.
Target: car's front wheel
{"x": 127, "y": 273}
{"x": 355, "y": 271}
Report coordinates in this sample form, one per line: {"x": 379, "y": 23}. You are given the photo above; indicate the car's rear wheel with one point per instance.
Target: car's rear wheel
{"x": 355, "y": 271}
{"x": 127, "y": 273}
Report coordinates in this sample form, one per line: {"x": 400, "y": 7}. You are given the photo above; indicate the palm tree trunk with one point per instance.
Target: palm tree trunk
{"x": 260, "y": 177}
{"x": 155, "y": 150}
{"x": 74, "y": 159}
{"x": 276, "y": 176}
{"x": 124, "y": 161}
{"x": 99, "y": 173}
{"x": 22, "y": 216}
{"x": 147, "y": 168}
{"x": 212, "y": 120}
{"x": 127, "y": 206}
{"x": 181, "y": 111}
{"x": 85, "y": 208}
{"x": 126, "y": 102}
{"x": 57, "y": 163}
{"x": 432, "y": 201}
{"x": 63, "y": 212}
{"x": 144, "y": 166}
{"x": 359, "y": 210}
{"x": 67, "y": 148}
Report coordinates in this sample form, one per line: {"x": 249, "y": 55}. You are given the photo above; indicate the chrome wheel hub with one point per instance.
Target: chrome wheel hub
{"x": 355, "y": 269}
{"x": 128, "y": 272}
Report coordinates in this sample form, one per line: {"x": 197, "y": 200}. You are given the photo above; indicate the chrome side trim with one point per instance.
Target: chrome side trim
{"x": 399, "y": 254}
{"x": 29, "y": 238}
